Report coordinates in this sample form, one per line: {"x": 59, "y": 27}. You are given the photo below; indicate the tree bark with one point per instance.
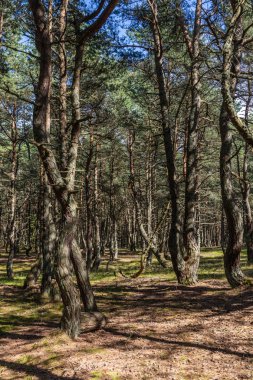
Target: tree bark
{"x": 69, "y": 254}
{"x": 175, "y": 235}
{"x": 13, "y": 195}
{"x": 49, "y": 245}
{"x": 191, "y": 243}
{"x": 232, "y": 252}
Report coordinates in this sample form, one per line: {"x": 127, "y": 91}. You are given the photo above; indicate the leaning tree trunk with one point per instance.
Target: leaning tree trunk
{"x": 175, "y": 235}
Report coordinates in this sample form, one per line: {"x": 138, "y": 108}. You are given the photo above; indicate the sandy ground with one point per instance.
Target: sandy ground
{"x": 155, "y": 330}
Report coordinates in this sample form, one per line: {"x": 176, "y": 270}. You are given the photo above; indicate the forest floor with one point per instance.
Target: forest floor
{"x": 156, "y": 329}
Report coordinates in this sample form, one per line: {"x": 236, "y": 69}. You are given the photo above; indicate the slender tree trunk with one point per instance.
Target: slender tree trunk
{"x": 63, "y": 86}
{"x": 13, "y": 195}
{"x": 88, "y": 201}
{"x": 113, "y": 230}
{"x": 175, "y": 235}
{"x": 97, "y": 243}
{"x": 48, "y": 245}
{"x": 149, "y": 196}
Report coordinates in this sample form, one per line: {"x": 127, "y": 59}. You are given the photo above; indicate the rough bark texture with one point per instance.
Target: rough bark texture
{"x": 68, "y": 255}
{"x": 191, "y": 242}
{"x": 232, "y": 252}
{"x": 234, "y": 218}
{"x": 228, "y": 62}
{"x": 49, "y": 245}
{"x": 63, "y": 85}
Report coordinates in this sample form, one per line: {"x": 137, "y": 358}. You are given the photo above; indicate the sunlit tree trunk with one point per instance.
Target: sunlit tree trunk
{"x": 68, "y": 255}
{"x": 232, "y": 252}
{"x": 191, "y": 242}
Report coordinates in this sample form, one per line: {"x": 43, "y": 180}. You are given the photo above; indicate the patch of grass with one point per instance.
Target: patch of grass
{"x": 101, "y": 375}
{"x": 20, "y": 271}
{"x": 93, "y": 350}
{"x": 26, "y": 359}
{"x": 51, "y": 361}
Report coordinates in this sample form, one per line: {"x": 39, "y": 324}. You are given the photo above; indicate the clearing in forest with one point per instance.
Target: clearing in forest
{"x": 156, "y": 329}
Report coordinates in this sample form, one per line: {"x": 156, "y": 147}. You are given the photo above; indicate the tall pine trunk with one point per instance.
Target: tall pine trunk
{"x": 13, "y": 195}
{"x": 233, "y": 248}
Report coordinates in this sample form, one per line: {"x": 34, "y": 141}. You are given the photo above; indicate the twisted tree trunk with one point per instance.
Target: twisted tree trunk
{"x": 68, "y": 255}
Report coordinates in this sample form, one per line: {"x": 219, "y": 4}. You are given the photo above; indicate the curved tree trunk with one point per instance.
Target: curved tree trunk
{"x": 70, "y": 321}
{"x": 234, "y": 244}
{"x": 232, "y": 252}
{"x": 175, "y": 235}
{"x": 64, "y": 185}
{"x": 69, "y": 260}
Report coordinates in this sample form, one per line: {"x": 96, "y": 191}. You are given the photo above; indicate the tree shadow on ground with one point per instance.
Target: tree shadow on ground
{"x": 172, "y": 297}
{"x": 33, "y": 370}
{"x": 22, "y": 336}
{"x": 179, "y": 343}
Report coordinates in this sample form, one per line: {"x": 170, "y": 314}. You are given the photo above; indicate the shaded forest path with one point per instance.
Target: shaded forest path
{"x": 155, "y": 330}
